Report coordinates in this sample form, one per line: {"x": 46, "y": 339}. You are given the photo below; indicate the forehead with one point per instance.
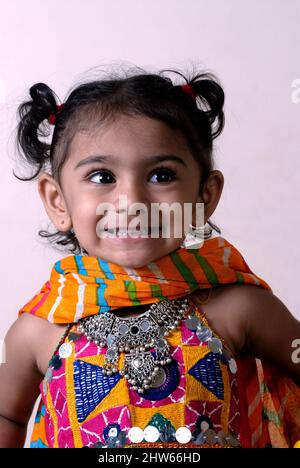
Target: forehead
{"x": 128, "y": 135}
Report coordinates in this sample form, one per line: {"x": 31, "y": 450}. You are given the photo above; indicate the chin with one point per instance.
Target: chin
{"x": 140, "y": 259}
{"x": 134, "y": 260}
{"x": 134, "y": 257}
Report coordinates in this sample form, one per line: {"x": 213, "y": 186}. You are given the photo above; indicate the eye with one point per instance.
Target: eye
{"x": 164, "y": 174}
{"x": 101, "y": 177}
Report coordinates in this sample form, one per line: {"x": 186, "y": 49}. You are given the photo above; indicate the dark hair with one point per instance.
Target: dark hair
{"x": 91, "y": 103}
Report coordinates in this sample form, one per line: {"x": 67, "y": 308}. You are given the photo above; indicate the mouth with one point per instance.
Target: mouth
{"x": 124, "y": 232}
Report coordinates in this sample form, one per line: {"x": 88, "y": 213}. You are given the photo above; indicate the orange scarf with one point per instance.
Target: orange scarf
{"x": 81, "y": 285}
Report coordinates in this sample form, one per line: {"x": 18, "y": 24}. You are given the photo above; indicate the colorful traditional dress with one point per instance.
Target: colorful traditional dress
{"x": 224, "y": 400}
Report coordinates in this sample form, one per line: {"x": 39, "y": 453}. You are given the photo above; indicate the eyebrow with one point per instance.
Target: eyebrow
{"x": 110, "y": 158}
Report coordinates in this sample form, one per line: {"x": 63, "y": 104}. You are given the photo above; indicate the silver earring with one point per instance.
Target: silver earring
{"x": 195, "y": 236}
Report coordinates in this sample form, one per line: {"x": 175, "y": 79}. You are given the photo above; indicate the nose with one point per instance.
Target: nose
{"x": 131, "y": 201}
{"x": 130, "y": 193}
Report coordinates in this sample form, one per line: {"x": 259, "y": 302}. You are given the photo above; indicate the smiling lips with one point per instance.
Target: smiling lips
{"x": 125, "y": 233}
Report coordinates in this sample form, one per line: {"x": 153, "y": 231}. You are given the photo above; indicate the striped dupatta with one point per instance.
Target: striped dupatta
{"x": 272, "y": 405}
{"x": 80, "y": 286}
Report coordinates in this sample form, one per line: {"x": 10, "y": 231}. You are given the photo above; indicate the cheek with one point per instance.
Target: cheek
{"x": 83, "y": 212}
{"x": 82, "y": 199}
{"x": 186, "y": 192}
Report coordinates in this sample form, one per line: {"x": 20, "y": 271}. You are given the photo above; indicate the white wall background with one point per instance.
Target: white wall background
{"x": 254, "y": 48}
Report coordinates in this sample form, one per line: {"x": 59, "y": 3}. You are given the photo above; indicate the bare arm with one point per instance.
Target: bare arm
{"x": 270, "y": 330}
{"x": 19, "y": 383}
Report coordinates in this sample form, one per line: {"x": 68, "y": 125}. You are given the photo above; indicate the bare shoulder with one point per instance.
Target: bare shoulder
{"x": 19, "y": 376}
{"x": 232, "y": 307}
{"x": 255, "y": 322}
{"x": 29, "y": 344}
{"x": 45, "y": 338}
{"x": 37, "y": 338}
{"x": 22, "y": 335}
{"x": 27, "y": 329}
{"x": 226, "y": 313}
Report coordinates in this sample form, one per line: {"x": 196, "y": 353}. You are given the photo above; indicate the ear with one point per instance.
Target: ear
{"x": 54, "y": 202}
{"x": 211, "y": 193}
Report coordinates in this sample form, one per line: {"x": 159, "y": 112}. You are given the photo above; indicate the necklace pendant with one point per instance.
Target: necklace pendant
{"x": 140, "y": 369}
{"x": 111, "y": 360}
{"x": 162, "y": 351}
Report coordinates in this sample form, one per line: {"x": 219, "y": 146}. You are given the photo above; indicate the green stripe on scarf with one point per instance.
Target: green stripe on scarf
{"x": 208, "y": 270}
{"x": 130, "y": 288}
{"x": 185, "y": 272}
{"x": 239, "y": 276}
{"x": 156, "y": 291}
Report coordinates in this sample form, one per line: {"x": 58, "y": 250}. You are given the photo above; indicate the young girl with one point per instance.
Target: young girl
{"x": 145, "y": 340}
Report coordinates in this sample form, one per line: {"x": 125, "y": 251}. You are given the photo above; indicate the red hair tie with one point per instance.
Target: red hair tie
{"x": 52, "y": 117}
{"x": 187, "y": 88}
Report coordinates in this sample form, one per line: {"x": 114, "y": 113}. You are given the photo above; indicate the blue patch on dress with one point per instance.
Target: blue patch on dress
{"x": 207, "y": 371}
{"x": 168, "y": 386}
{"x": 91, "y": 386}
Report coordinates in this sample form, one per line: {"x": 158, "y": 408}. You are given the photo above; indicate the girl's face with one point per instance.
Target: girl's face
{"x": 128, "y": 148}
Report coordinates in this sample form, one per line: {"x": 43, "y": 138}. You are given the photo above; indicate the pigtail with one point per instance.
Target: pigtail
{"x": 204, "y": 90}
{"x": 32, "y": 127}
{"x": 211, "y": 100}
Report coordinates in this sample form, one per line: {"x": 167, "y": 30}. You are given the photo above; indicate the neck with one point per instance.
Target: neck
{"x": 131, "y": 311}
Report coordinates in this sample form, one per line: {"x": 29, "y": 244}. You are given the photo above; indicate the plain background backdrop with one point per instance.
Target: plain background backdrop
{"x": 253, "y": 47}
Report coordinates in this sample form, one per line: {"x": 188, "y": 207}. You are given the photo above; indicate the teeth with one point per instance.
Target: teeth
{"x": 125, "y": 232}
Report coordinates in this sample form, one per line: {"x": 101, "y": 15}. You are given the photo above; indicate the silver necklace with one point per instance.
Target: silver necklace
{"x": 134, "y": 335}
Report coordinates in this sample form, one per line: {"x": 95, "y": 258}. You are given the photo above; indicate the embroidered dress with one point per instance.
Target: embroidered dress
{"x": 81, "y": 407}
{"x": 79, "y": 404}
{"x": 223, "y": 400}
